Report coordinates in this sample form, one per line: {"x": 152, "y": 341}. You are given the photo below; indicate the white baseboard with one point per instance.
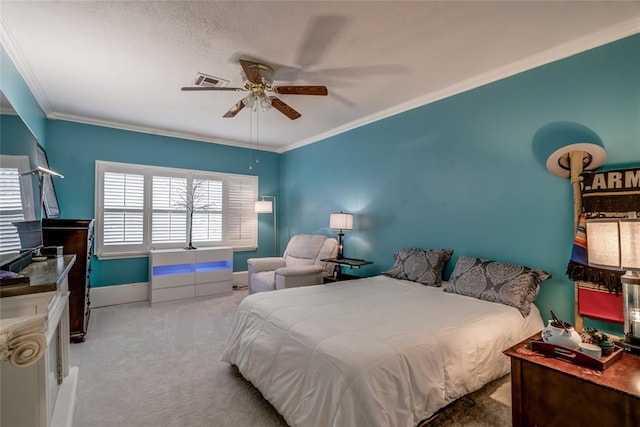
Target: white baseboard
{"x": 240, "y": 279}
{"x": 66, "y": 400}
{"x": 135, "y": 292}
{"x": 119, "y": 294}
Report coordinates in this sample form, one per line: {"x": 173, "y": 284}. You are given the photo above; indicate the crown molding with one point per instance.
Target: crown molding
{"x": 557, "y": 53}
{"x": 22, "y": 65}
{"x": 155, "y": 131}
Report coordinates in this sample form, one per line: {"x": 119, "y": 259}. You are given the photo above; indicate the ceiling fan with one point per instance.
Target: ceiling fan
{"x": 259, "y": 84}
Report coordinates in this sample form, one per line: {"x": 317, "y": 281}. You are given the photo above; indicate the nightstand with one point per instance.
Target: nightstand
{"x": 338, "y": 275}
{"x": 549, "y": 392}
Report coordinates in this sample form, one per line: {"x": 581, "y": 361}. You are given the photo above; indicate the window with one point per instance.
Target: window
{"x": 16, "y": 200}
{"x": 141, "y": 207}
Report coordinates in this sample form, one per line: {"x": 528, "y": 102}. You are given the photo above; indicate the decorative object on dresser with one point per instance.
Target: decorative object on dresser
{"x": 76, "y": 238}
{"x": 341, "y": 221}
{"x": 551, "y": 392}
{"x": 189, "y": 273}
{"x": 561, "y": 333}
{"x": 615, "y": 244}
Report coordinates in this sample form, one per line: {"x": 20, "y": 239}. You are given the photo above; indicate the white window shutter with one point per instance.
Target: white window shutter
{"x": 16, "y": 195}
{"x": 123, "y": 204}
{"x": 241, "y": 218}
{"x": 168, "y": 200}
{"x": 207, "y": 216}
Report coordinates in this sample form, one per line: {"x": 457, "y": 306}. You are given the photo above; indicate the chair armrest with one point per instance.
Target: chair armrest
{"x": 265, "y": 264}
{"x": 302, "y": 270}
{"x": 304, "y": 275}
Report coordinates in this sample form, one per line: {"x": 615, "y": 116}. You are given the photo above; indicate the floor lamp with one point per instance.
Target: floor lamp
{"x": 267, "y": 204}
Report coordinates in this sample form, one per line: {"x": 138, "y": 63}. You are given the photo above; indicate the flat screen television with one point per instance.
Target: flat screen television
{"x": 30, "y": 234}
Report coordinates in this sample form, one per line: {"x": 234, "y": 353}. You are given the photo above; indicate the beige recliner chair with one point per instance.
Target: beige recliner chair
{"x": 300, "y": 264}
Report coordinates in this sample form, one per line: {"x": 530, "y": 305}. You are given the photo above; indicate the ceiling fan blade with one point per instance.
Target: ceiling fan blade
{"x": 251, "y": 70}
{"x": 301, "y": 90}
{"x": 284, "y": 108}
{"x": 234, "y": 110}
{"x": 322, "y": 32}
{"x": 238, "y": 89}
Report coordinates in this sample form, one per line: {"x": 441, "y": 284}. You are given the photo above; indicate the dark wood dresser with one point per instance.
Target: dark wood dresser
{"x": 549, "y": 392}
{"x": 76, "y": 236}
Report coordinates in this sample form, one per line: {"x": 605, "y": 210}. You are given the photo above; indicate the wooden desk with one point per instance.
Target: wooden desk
{"x": 549, "y": 392}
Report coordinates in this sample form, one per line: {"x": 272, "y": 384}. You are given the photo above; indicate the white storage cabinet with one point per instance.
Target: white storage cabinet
{"x": 181, "y": 273}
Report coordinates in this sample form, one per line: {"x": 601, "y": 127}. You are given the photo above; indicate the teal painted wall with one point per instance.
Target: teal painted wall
{"x": 75, "y": 147}
{"x": 21, "y": 98}
{"x": 461, "y": 173}
{"x": 15, "y": 138}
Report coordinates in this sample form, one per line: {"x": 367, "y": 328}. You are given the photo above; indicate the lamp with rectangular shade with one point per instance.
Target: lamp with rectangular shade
{"x": 269, "y": 206}
{"x": 615, "y": 244}
{"x": 341, "y": 221}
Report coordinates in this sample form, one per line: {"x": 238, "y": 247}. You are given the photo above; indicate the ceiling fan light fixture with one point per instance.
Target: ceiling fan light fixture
{"x": 249, "y": 101}
{"x": 265, "y": 102}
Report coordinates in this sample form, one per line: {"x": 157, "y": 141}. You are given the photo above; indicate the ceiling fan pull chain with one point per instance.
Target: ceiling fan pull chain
{"x": 250, "y": 139}
{"x": 257, "y": 134}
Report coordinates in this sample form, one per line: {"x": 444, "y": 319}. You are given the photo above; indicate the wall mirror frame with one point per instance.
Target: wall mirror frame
{"x": 49, "y": 198}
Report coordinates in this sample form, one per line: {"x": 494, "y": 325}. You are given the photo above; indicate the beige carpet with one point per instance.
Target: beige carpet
{"x": 145, "y": 366}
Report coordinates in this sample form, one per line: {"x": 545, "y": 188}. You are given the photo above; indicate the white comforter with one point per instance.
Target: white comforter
{"x": 371, "y": 352}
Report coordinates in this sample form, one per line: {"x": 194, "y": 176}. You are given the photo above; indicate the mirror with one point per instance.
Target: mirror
{"x": 18, "y": 149}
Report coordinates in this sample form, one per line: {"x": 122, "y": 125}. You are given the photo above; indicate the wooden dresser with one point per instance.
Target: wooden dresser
{"x": 549, "y": 392}
{"x": 76, "y": 236}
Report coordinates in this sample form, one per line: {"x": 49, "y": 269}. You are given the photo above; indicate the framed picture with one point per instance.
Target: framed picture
{"x": 49, "y": 199}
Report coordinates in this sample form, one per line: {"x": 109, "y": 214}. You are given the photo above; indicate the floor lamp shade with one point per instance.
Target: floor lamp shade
{"x": 264, "y": 206}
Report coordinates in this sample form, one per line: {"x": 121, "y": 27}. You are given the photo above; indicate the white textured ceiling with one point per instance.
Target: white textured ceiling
{"x": 123, "y": 63}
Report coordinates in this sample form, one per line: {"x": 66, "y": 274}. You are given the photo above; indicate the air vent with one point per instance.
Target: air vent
{"x": 210, "y": 81}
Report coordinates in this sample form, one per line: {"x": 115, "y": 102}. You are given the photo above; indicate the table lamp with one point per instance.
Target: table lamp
{"x": 615, "y": 244}
{"x": 341, "y": 221}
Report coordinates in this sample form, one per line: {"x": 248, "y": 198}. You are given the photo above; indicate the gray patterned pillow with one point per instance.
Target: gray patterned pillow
{"x": 509, "y": 284}
{"x": 420, "y": 265}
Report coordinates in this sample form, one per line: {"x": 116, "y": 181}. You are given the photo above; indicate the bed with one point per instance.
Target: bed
{"x": 376, "y": 351}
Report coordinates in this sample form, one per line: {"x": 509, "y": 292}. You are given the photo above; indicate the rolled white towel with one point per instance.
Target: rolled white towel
{"x": 22, "y": 339}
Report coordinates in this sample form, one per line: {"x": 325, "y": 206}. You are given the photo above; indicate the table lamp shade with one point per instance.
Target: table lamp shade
{"x": 614, "y": 243}
{"x": 341, "y": 221}
{"x": 630, "y": 244}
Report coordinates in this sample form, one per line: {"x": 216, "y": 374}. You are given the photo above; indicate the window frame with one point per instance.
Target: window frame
{"x": 142, "y": 250}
